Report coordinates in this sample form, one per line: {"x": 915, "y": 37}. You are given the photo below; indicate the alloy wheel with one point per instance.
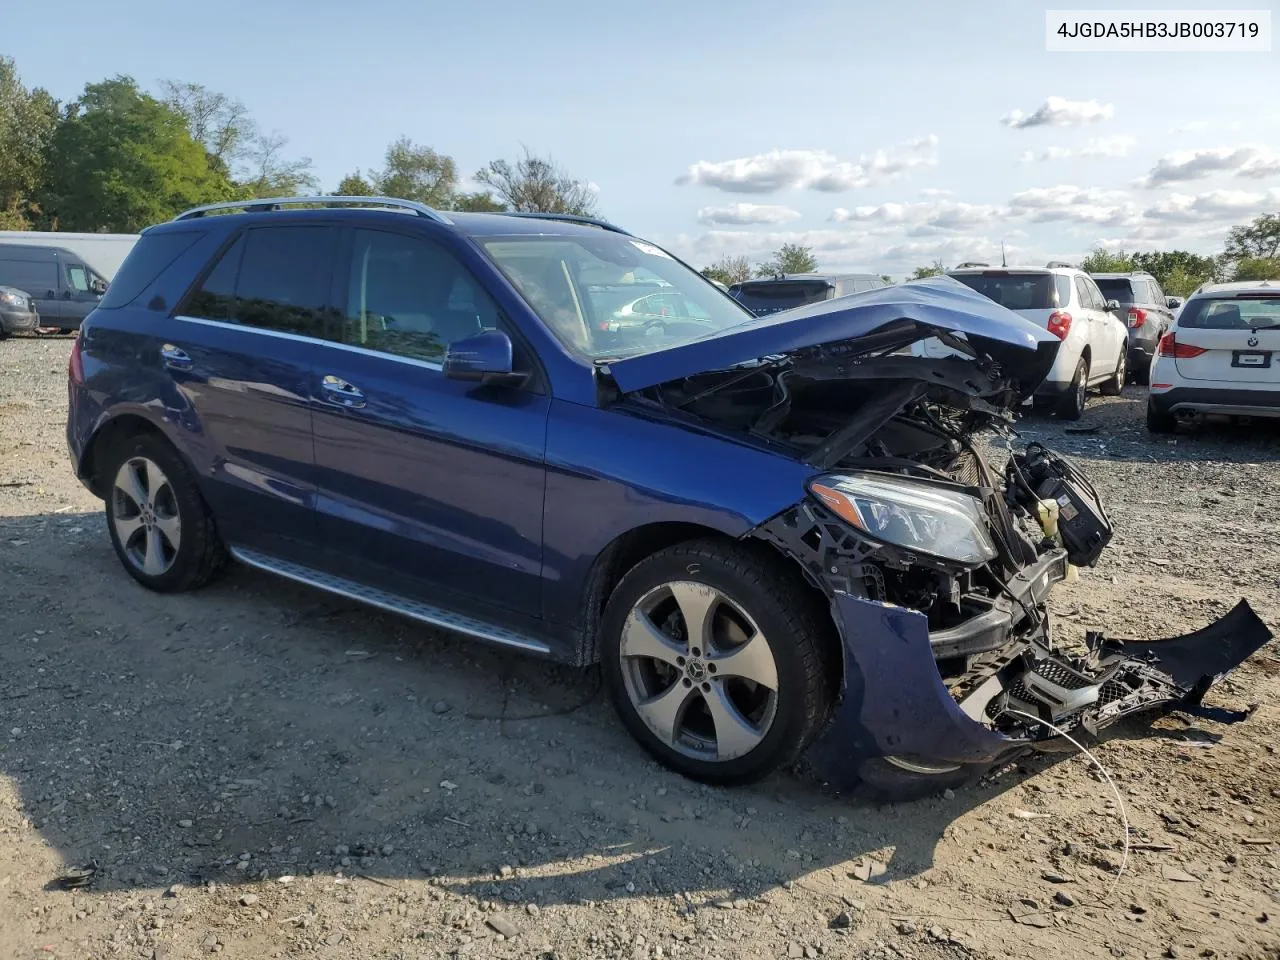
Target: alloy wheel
{"x": 699, "y": 672}
{"x": 144, "y": 513}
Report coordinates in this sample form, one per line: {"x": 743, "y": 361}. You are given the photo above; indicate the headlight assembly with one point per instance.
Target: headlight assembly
{"x": 917, "y": 516}
{"x": 13, "y": 299}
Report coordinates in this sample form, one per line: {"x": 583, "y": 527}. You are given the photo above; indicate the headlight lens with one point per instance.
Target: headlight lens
{"x": 927, "y": 519}
{"x": 13, "y": 299}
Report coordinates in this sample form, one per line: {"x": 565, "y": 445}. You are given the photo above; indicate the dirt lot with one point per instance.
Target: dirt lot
{"x": 259, "y": 770}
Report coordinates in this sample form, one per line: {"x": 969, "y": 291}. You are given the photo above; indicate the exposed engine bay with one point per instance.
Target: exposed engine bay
{"x": 907, "y": 510}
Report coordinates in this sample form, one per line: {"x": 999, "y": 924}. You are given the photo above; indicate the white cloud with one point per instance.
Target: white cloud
{"x": 922, "y": 219}
{"x": 1191, "y": 126}
{"x": 1222, "y": 206}
{"x": 810, "y": 169}
{"x": 746, "y": 213}
{"x": 931, "y": 192}
{"x": 1243, "y": 161}
{"x": 1060, "y": 112}
{"x": 1066, "y": 203}
{"x": 1117, "y": 146}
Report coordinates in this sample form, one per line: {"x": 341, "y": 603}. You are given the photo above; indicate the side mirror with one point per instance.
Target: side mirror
{"x": 485, "y": 357}
{"x": 1113, "y": 304}
{"x": 98, "y": 287}
{"x": 1173, "y": 303}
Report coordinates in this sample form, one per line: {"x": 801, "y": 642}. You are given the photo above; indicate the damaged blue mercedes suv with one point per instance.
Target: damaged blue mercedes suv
{"x": 778, "y": 536}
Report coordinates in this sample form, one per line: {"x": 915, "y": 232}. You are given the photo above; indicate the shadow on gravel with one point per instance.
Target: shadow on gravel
{"x": 256, "y": 729}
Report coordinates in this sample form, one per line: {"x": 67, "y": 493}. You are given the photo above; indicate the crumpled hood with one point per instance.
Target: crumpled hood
{"x": 938, "y": 304}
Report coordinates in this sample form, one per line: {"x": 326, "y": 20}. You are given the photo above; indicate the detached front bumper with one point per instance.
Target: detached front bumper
{"x": 895, "y": 703}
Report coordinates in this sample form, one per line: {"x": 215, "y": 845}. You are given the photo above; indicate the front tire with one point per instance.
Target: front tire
{"x": 718, "y": 660}
{"x": 159, "y": 525}
{"x": 1071, "y": 403}
{"x": 900, "y": 778}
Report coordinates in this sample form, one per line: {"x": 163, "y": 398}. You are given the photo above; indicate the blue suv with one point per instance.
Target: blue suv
{"x": 542, "y": 432}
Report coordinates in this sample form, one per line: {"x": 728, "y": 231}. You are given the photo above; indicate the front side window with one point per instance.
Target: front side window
{"x": 78, "y": 277}
{"x": 273, "y": 278}
{"x": 411, "y": 297}
{"x": 611, "y": 296}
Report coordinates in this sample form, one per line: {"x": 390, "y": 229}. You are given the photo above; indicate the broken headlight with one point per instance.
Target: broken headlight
{"x": 918, "y": 516}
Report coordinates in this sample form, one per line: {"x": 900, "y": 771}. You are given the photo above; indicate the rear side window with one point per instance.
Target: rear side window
{"x": 274, "y": 278}
{"x": 1019, "y": 291}
{"x": 1235, "y": 313}
{"x": 150, "y": 257}
{"x": 36, "y": 277}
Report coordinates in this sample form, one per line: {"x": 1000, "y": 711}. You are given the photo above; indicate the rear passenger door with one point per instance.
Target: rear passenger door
{"x": 242, "y": 351}
{"x": 429, "y": 487}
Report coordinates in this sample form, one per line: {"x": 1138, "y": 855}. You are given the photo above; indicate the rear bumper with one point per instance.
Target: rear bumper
{"x": 1221, "y": 401}
{"x": 12, "y": 321}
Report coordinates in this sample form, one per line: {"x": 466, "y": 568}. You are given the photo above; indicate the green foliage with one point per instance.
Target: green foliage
{"x": 1258, "y": 239}
{"x": 1257, "y": 268}
{"x": 934, "y": 269}
{"x": 120, "y": 160}
{"x": 354, "y": 185}
{"x": 1178, "y": 271}
{"x": 479, "y": 202}
{"x": 728, "y": 270}
{"x": 27, "y": 122}
{"x": 788, "y": 258}
{"x": 537, "y": 185}
{"x": 1102, "y": 260}
{"x": 414, "y": 172}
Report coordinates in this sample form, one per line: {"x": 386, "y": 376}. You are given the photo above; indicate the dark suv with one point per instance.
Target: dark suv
{"x": 774, "y": 294}
{"x": 768, "y": 534}
{"x": 1145, "y": 310}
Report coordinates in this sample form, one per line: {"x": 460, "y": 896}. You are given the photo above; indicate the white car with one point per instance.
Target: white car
{"x": 1065, "y": 301}
{"x": 1220, "y": 357}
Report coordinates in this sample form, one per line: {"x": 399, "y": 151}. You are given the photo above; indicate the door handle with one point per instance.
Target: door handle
{"x": 338, "y": 391}
{"x": 175, "y": 358}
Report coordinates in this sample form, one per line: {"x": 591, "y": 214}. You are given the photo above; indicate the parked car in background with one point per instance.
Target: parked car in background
{"x": 17, "y": 312}
{"x": 421, "y": 411}
{"x": 773, "y": 294}
{"x": 63, "y": 287}
{"x": 1144, "y": 310}
{"x": 1065, "y": 301}
{"x": 1220, "y": 357}
{"x": 104, "y": 252}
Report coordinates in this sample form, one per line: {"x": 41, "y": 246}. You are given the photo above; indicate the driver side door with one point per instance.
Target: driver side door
{"x": 429, "y": 487}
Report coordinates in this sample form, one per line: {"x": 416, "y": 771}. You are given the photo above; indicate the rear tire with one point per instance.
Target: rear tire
{"x": 751, "y": 721}
{"x": 159, "y": 524}
{"x": 1160, "y": 421}
{"x": 1114, "y": 386}
{"x": 1071, "y": 404}
{"x": 1142, "y": 372}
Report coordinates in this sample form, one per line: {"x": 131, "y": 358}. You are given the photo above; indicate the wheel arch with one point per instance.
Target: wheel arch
{"x": 107, "y": 433}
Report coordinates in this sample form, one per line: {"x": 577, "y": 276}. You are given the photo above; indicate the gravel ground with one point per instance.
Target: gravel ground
{"x": 260, "y": 770}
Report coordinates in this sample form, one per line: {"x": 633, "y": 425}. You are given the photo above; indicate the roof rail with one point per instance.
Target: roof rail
{"x": 971, "y": 263}
{"x": 274, "y": 203}
{"x": 1060, "y": 263}
{"x": 570, "y": 218}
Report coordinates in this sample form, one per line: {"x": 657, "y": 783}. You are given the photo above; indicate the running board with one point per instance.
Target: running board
{"x": 391, "y": 602}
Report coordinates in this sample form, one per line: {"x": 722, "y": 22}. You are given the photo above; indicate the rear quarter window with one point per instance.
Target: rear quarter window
{"x": 150, "y": 257}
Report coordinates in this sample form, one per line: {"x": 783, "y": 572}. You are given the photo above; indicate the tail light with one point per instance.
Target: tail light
{"x": 1060, "y": 324}
{"x": 1137, "y": 317}
{"x": 1170, "y": 347}
{"x": 75, "y": 364}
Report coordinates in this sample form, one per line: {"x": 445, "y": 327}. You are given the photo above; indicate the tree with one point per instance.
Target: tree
{"x": 417, "y": 173}
{"x": 1260, "y": 238}
{"x": 354, "y": 185}
{"x": 1102, "y": 260}
{"x": 482, "y": 201}
{"x": 788, "y": 258}
{"x": 27, "y": 122}
{"x": 537, "y": 185}
{"x": 270, "y": 175}
{"x": 934, "y": 269}
{"x": 1257, "y": 268}
{"x": 120, "y": 160}
{"x": 222, "y": 124}
{"x": 728, "y": 270}
{"x": 1177, "y": 271}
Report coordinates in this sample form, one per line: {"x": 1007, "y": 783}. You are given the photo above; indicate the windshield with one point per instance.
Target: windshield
{"x": 1019, "y": 291}
{"x": 1234, "y": 313}
{"x": 1117, "y": 289}
{"x": 771, "y": 296}
{"x": 611, "y": 296}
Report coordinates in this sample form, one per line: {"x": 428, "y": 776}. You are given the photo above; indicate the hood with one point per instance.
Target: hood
{"x": 1024, "y": 350}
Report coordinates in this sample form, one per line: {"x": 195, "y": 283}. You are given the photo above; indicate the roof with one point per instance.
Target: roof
{"x": 1015, "y": 269}
{"x": 811, "y": 276}
{"x": 1241, "y": 286}
{"x": 1120, "y": 276}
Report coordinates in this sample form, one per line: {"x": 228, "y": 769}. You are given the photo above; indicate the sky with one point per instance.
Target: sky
{"x": 883, "y": 135}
